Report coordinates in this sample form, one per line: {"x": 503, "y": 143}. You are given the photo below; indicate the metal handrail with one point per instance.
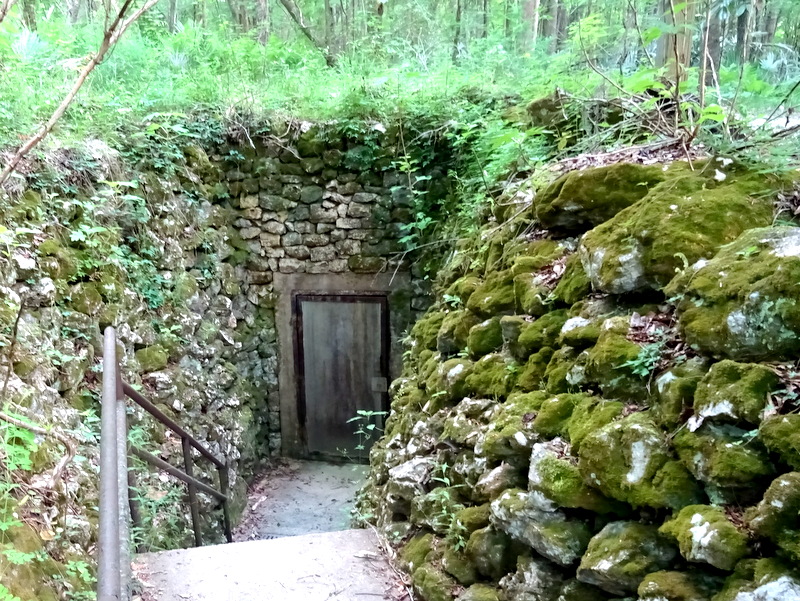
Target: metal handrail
{"x": 118, "y": 506}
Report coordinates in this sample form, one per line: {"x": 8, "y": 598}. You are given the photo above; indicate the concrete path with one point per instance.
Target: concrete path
{"x": 334, "y": 566}
{"x": 300, "y": 497}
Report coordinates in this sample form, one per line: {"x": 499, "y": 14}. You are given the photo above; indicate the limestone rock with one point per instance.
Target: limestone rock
{"x": 741, "y": 304}
{"x": 781, "y": 435}
{"x": 622, "y": 554}
{"x": 534, "y": 580}
{"x": 776, "y": 516}
{"x": 705, "y": 535}
{"x": 493, "y": 552}
{"x": 734, "y": 392}
{"x": 678, "y": 586}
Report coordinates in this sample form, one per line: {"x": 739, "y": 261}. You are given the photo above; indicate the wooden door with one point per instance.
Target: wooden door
{"x": 343, "y": 364}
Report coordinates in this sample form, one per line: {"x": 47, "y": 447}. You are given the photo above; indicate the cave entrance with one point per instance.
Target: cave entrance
{"x": 342, "y": 344}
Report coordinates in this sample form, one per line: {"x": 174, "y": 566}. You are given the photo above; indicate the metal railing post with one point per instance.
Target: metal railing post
{"x": 226, "y": 514}
{"x": 108, "y": 572}
{"x": 123, "y": 506}
{"x": 194, "y": 505}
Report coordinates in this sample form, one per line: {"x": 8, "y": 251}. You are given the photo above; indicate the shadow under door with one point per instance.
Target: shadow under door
{"x": 342, "y": 346}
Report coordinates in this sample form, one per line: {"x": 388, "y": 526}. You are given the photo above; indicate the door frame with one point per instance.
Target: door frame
{"x": 280, "y": 398}
{"x": 298, "y": 296}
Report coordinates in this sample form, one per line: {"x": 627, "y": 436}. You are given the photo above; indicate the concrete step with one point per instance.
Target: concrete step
{"x": 331, "y": 566}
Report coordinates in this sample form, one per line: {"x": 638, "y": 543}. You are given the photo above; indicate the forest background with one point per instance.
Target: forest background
{"x": 453, "y": 60}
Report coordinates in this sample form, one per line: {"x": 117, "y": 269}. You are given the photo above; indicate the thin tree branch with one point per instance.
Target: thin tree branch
{"x": 297, "y": 17}
{"x": 112, "y": 35}
{"x": 5, "y": 7}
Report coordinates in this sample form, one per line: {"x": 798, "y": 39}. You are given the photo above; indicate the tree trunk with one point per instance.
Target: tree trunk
{"x": 29, "y": 14}
{"x": 675, "y": 49}
{"x": 172, "y": 16}
{"x": 770, "y": 23}
{"x": 713, "y": 46}
{"x": 457, "y": 37}
{"x": 485, "y": 28}
{"x": 743, "y": 34}
{"x": 264, "y": 22}
{"x": 531, "y": 15}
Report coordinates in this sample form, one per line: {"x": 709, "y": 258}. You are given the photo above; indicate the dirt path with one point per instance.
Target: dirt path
{"x": 300, "y": 497}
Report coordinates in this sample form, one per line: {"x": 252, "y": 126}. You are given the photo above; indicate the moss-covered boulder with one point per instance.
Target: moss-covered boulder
{"x": 554, "y": 480}
{"x": 761, "y": 580}
{"x": 679, "y": 586}
{"x": 581, "y": 200}
{"x": 448, "y": 384}
{"x": 456, "y": 563}
{"x": 535, "y": 579}
{"x": 454, "y": 332}
{"x": 492, "y": 552}
{"x": 493, "y": 297}
{"x": 492, "y": 376}
{"x": 532, "y": 294}
{"x": 511, "y": 434}
{"x": 152, "y": 358}
{"x": 425, "y": 332}
{"x": 579, "y": 332}
{"x": 574, "y": 283}
{"x": 417, "y": 551}
{"x": 675, "y": 390}
{"x": 553, "y": 535}
{"x": 86, "y": 298}
{"x": 566, "y": 371}
{"x": 705, "y": 535}
{"x": 777, "y": 516}
{"x": 532, "y": 375}
{"x": 682, "y": 220}
{"x": 589, "y": 415}
{"x": 743, "y": 303}
{"x": 480, "y": 592}
{"x": 539, "y": 333}
{"x": 735, "y": 392}
{"x": 629, "y": 460}
{"x": 432, "y": 584}
{"x": 555, "y": 413}
{"x": 723, "y": 456}
{"x": 622, "y": 554}
{"x": 460, "y": 290}
{"x": 614, "y": 364}
{"x": 435, "y": 509}
{"x": 781, "y": 435}
{"x": 485, "y": 338}
{"x": 575, "y": 590}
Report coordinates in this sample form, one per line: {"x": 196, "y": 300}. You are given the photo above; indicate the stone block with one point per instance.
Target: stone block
{"x": 358, "y": 210}
{"x": 311, "y": 194}
{"x": 270, "y": 202}
{"x": 316, "y": 240}
{"x": 269, "y": 240}
{"x": 275, "y": 227}
{"x": 323, "y": 253}
{"x": 364, "y": 197}
{"x": 248, "y": 202}
{"x": 248, "y": 233}
{"x": 348, "y": 224}
{"x": 297, "y": 252}
{"x": 320, "y": 215}
{"x": 292, "y": 239}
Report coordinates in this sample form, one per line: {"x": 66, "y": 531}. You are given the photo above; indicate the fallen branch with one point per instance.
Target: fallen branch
{"x": 112, "y": 35}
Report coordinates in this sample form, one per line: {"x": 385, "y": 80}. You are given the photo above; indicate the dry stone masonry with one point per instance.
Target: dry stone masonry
{"x": 602, "y": 402}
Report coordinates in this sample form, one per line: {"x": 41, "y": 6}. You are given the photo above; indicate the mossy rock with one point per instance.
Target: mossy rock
{"x": 532, "y": 296}
{"x": 767, "y": 579}
{"x": 470, "y": 519}
{"x": 566, "y": 371}
{"x": 682, "y": 220}
{"x": 461, "y": 290}
{"x": 480, "y": 592}
{"x": 485, "y": 337}
{"x": 152, "y": 358}
{"x": 557, "y": 478}
{"x": 511, "y": 328}
{"x": 574, "y": 284}
{"x": 734, "y": 392}
{"x": 448, "y": 384}
{"x": 536, "y": 579}
{"x": 435, "y": 509}
{"x": 417, "y": 551}
{"x": 705, "y": 535}
{"x": 529, "y": 257}
{"x": 554, "y": 415}
{"x": 550, "y": 532}
{"x": 589, "y": 415}
{"x": 539, "y": 333}
{"x": 492, "y": 552}
{"x": 510, "y": 435}
{"x": 575, "y": 590}
{"x": 776, "y": 516}
{"x": 458, "y": 565}
{"x": 613, "y": 366}
{"x": 723, "y": 456}
{"x": 493, "y": 376}
{"x": 453, "y": 334}
{"x": 675, "y": 390}
{"x": 494, "y": 297}
{"x": 580, "y": 200}
{"x": 628, "y": 460}
{"x": 679, "y": 586}
{"x": 579, "y": 332}
{"x": 432, "y": 584}
{"x": 532, "y": 376}
{"x": 426, "y": 330}
{"x": 781, "y": 435}
{"x": 29, "y": 580}
{"x": 185, "y": 287}
{"x": 743, "y": 303}
{"x": 86, "y": 298}
{"x": 622, "y": 554}
{"x": 406, "y": 395}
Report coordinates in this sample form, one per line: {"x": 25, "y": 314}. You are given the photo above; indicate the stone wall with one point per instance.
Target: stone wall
{"x": 603, "y": 401}
{"x": 180, "y": 259}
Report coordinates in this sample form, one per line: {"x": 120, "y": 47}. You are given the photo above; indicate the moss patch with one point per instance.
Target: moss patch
{"x": 734, "y": 392}
{"x": 540, "y": 333}
{"x": 494, "y": 297}
{"x": 705, "y": 535}
{"x": 493, "y": 376}
{"x": 776, "y": 516}
{"x": 781, "y": 435}
{"x": 485, "y": 338}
